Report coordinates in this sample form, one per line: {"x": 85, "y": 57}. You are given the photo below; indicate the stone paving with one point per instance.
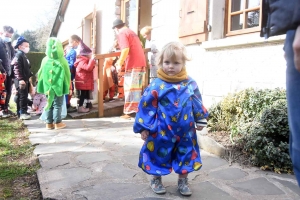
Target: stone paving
{"x": 94, "y": 159}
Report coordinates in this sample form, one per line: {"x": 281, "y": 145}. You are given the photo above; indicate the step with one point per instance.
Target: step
{"x": 111, "y": 108}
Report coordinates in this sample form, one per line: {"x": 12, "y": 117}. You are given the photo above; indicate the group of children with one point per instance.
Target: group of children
{"x": 169, "y": 113}
{"x": 81, "y": 64}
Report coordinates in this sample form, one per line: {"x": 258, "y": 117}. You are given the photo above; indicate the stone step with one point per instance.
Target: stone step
{"x": 111, "y": 108}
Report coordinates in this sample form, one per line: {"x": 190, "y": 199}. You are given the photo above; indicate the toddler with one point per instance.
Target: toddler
{"x": 169, "y": 113}
{"x": 85, "y": 63}
{"x": 39, "y": 101}
{"x": 54, "y": 81}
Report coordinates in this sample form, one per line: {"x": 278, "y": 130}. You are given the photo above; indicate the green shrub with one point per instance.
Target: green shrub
{"x": 266, "y": 138}
{"x": 35, "y": 59}
{"x": 257, "y": 121}
{"x": 241, "y": 107}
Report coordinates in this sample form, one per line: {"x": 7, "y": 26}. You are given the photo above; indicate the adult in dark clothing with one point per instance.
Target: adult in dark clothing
{"x": 6, "y": 55}
{"x": 22, "y": 74}
{"x": 280, "y": 17}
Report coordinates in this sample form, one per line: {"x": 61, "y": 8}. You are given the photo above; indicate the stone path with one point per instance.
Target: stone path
{"x": 95, "y": 159}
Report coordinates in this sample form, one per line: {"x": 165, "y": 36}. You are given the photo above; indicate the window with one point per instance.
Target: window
{"x": 243, "y": 16}
{"x": 89, "y": 36}
{"x": 129, "y": 14}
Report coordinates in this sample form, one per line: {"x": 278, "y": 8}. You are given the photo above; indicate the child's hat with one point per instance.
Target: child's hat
{"x": 20, "y": 40}
{"x": 84, "y": 50}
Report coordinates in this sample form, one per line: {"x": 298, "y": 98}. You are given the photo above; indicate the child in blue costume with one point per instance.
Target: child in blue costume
{"x": 168, "y": 116}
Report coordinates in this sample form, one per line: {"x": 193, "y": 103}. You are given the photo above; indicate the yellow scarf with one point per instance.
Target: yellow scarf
{"x": 173, "y": 79}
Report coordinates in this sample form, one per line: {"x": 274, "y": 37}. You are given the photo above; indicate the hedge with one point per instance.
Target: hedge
{"x": 35, "y": 59}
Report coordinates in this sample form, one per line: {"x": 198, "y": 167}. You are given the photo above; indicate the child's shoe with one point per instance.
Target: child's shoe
{"x": 71, "y": 109}
{"x": 60, "y": 125}
{"x": 49, "y": 126}
{"x": 157, "y": 186}
{"x": 5, "y": 114}
{"x": 89, "y": 105}
{"x": 25, "y": 116}
{"x": 183, "y": 187}
{"x": 82, "y": 109}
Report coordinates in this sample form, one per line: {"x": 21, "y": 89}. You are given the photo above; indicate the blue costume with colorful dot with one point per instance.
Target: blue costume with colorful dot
{"x": 170, "y": 111}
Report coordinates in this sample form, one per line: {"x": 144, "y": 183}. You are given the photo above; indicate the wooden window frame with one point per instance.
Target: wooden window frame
{"x": 123, "y": 14}
{"x": 244, "y": 30}
{"x": 91, "y": 18}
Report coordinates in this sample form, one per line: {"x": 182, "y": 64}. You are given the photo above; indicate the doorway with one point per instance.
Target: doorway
{"x": 136, "y": 14}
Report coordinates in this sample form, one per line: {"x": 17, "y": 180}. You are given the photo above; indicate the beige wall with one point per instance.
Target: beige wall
{"x": 224, "y": 65}
{"x": 145, "y": 13}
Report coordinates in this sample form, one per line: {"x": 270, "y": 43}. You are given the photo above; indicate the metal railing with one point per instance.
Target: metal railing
{"x": 101, "y": 58}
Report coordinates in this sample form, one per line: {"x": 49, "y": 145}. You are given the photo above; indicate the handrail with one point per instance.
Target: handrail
{"x": 100, "y": 58}
{"x": 114, "y": 54}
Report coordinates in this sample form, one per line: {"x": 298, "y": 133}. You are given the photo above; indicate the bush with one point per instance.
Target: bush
{"x": 266, "y": 139}
{"x": 35, "y": 59}
{"x": 257, "y": 120}
{"x": 241, "y": 107}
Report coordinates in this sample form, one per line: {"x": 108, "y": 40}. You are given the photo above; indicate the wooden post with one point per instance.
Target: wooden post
{"x": 100, "y": 88}
{"x": 146, "y": 76}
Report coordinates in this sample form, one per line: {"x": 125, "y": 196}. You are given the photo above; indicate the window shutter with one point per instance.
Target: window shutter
{"x": 193, "y": 21}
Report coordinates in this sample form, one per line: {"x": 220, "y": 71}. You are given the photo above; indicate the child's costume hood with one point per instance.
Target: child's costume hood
{"x": 54, "y": 75}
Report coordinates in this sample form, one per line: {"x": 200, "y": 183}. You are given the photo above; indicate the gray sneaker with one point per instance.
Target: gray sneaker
{"x": 71, "y": 109}
{"x": 25, "y": 116}
{"x": 183, "y": 187}
{"x": 157, "y": 186}
{"x": 6, "y": 114}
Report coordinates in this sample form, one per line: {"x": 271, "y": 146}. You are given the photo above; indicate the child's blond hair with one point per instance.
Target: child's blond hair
{"x": 171, "y": 51}
{"x": 146, "y": 30}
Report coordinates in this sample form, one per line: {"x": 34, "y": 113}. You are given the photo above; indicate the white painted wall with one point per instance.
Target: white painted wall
{"x": 76, "y": 13}
{"x": 219, "y": 71}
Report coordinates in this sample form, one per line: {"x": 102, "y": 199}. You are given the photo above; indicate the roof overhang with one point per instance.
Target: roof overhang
{"x": 59, "y": 17}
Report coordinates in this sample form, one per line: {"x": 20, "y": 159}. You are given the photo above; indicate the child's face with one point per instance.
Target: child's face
{"x": 147, "y": 36}
{"x": 24, "y": 47}
{"x": 172, "y": 66}
{"x": 73, "y": 43}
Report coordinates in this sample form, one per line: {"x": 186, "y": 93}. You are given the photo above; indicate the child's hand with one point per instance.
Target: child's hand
{"x": 70, "y": 92}
{"x": 199, "y": 128}
{"x": 296, "y": 48}
{"x": 144, "y": 134}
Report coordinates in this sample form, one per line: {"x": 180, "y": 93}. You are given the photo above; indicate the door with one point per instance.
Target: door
{"x": 130, "y": 14}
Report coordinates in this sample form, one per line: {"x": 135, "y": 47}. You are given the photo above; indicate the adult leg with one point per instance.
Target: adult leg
{"x": 133, "y": 89}
{"x": 8, "y": 87}
{"x": 293, "y": 99}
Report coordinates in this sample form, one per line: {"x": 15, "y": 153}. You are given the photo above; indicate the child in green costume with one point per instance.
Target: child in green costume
{"x": 54, "y": 81}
